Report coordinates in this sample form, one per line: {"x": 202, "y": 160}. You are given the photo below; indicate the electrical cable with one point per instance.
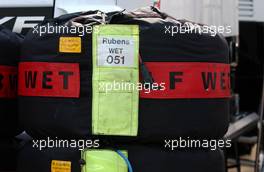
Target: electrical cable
{"x": 126, "y": 160}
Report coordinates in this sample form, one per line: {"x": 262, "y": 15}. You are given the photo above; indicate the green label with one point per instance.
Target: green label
{"x": 103, "y": 161}
{"x": 115, "y": 75}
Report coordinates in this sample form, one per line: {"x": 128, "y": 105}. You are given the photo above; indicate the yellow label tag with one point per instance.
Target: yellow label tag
{"x": 70, "y": 45}
{"x": 60, "y": 166}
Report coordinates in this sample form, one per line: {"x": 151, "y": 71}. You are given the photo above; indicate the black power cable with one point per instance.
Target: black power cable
{"x": 54, "y": 4}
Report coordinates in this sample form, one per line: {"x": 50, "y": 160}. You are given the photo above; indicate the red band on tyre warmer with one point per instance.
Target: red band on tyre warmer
{"x": 49, "y": 79}
{"x": 8, "y": 81}
{"x": 182, "y": 80}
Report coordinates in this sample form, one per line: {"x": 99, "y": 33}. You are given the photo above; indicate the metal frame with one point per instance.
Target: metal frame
{"x": 243, "y": 125}
{"x": 260, "y": 133}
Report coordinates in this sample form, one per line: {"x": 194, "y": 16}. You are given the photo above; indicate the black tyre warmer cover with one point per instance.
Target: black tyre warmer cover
{"x": 142, "y": 159}
{"x": 10, "y": 44}
{"x": 8, "y": 152}
{"x": 205, "y": 117}
{"x": 31, "y": 159}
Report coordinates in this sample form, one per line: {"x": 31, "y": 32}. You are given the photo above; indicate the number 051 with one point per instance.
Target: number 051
{"x": 115, "y": 59}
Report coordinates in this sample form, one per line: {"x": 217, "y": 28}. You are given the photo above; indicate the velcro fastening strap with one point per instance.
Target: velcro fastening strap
{"x": 115, "y": 61}
{"x": 182, "y": 80}
{"x": 46, "y": 79}
{"x": 103, "y": 161}
{"x": 8, "y": 81}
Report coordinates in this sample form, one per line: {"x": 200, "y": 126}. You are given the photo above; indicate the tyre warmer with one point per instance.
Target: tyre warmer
{"x": 123, "y": 159}
{"x": 10, "y": 44}
{"x": 60, "y": 77}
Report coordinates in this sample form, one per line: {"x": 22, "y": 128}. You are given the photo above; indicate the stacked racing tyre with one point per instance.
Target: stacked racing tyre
{"x": 57, "y": 89}
{"x": 10, "y": 44}
{"x": 65, "y": 92}
{"x": 141, "y": 158}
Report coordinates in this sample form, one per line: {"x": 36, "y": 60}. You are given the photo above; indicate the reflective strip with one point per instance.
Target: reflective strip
{"x": 8, "y": 81}
{"x": 180, "y": 80}
{"x": 115, "y": 59}
{"x": 103, "y": 161}
{"x": 49, "y": 79}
